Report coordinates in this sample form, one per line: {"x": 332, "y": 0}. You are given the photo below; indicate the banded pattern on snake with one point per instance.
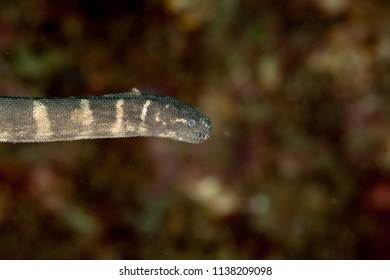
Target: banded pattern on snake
{"x": 127, "y": 114}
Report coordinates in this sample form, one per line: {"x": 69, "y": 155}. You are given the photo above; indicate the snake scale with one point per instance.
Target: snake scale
{"x": 127, "y": 114}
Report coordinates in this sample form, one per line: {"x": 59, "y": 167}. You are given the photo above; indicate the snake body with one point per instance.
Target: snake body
{"x": 128, "y": 114}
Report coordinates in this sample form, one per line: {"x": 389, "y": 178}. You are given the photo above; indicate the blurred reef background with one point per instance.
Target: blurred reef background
{"x": 298, "y": 164}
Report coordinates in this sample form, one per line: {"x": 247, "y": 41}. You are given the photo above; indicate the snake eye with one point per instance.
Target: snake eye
{"x": 191, "y": 123}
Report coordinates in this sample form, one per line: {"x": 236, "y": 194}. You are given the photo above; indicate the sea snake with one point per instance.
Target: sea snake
{"x": 127, "y": 114}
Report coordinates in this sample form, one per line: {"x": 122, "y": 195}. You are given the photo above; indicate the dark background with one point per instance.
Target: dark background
{"x": 298, "y": 164}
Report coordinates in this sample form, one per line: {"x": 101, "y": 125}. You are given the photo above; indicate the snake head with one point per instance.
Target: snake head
{"x": 171, "y": 118}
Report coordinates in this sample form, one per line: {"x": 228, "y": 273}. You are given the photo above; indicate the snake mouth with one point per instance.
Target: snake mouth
{"x": 201, "y": 138}
{"x": 207, "y": 128}
{"x": 204, "y": 134}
